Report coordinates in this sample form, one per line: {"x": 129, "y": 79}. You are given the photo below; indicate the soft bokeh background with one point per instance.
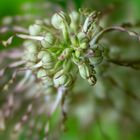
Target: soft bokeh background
{"x": 81, "y": 124}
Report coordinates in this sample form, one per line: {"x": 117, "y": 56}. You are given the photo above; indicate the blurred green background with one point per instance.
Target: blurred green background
{"x": 124, "y": 11}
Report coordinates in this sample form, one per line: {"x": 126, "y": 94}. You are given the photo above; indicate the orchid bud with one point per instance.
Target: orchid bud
{"x": 45, "y": 56}
{"x": 30, "y": 57}
{"x": 48, "y": 40}
{"x": 77, "y": 53}
{"x": 97, "y": 53}
{"x": 47, "y": 59}
{"x": 34, "y": 29}
{"x": 30, "y": 47}
{"x": 75, "y": 59}
{"x": 60, "y": 19}
{"x": 83, "y": 45}
{"x": 95, "y": 60}
{"x": 62, "y": 79}
{"x": 89, "y": 21}
{"x": 84, "y": 70}
{"x": 67, "y": 65}
{"x": 74, "y": 20}
{"x": 74, "y": 40}
{"x": 47, "y": 81}
{"x": 82, "y": 37}
{"x": 41, "y": 73}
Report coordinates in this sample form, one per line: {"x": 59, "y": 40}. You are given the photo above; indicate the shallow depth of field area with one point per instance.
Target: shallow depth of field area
{"x": 69, "y": 70}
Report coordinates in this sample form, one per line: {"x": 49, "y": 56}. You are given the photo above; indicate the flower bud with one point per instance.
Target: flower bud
{"x": 77, "y": 53}
{"x": 30, "y": 57}
{"x": 47, "y": 59}
{"x": 47, "y": 81}
{"x": 60, "y": 19}
{"x": 84, "y": 70}
{"x": 62, "y": 79}
{"x": 83, "y": 45}
{"x": 97, "y": 53}
{"x": 89, "y": 21}
{"x": 48, "y": 40}
{"x": 82, "y": 37}
{"x": 95, "y": 60}
{"x": 45, "y": 56}
{"x": 74, "y": 40}
{"x": 75, "y": 59}
{"x": 67, "y": 65}
{"x": 34, "y": 29}
{"x": 74, "y": 20}
{"x": 41, "y": 73}
{"x": 30, "y": 47}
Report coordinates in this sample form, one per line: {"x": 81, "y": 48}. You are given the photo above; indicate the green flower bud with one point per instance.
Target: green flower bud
{"x": 48, "y": 40}
{"x": 74, "y": 20}
{"x": 95, "y": 60}
{"x": 74, "y": 16}
{"x": 47, "y": 81}
{"x": 34, "y": 29}
{"x": 74, "y": 41}
{"x": 30, "y": 57}
{"x": 45, "y": 56}
{"x": 60, "y": 19}
{"x": 30, "y": 47}
{"x": 62, "y": 79}
{"x": 97, "y": 53}
{"x": 41, "y": 73}
{"x": 89, "y": 21}
{"x": 67, "y": 65}
{"x": 92, "y": 80}
{"x": 47, "y": 59}
{"x": 82, "y": 37}
{"x": 77, "y": 53}
{"x": 84, "y": 70}
{"x": 83, "y": 45}
{"x": 75, "y": 59}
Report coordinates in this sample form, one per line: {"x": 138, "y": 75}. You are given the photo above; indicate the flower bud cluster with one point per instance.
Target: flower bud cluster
{"x": 62, "y": 46}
